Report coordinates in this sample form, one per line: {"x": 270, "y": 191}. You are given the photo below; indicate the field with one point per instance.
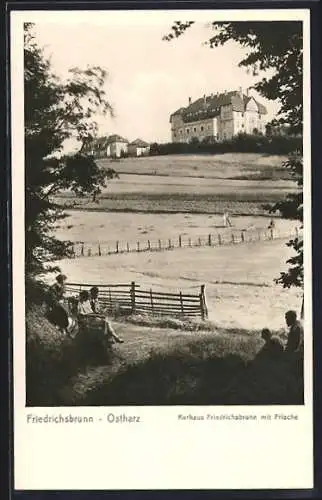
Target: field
{"x": 241, "y": 183}
{"x": 222, "y": 166}
{"x": 106, "y": 228}
{"x": 165, "y": 361}
{"x": 164, "y": 197}
{"x": 240, "y": 288}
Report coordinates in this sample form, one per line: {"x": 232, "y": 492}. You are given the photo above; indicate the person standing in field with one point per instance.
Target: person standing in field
{"x": 226, "y": 218}
{"x": 271, "y": 224}
{"x": 295, "y": 335}
{"x": 295, "y": 343}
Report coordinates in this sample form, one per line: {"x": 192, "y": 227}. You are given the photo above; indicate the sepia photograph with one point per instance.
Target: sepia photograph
{"x": 163, "y": 212}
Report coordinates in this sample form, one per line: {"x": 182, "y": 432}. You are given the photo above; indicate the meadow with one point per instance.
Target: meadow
{"x": 240, "y": 288}
{"x": 107, "y": 228}
{"x": 254, "y": 166}
{"x": 168, "y": 361}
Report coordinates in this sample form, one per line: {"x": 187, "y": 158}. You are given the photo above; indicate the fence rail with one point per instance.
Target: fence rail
{"x": 233, "y": 237}
{"x": 131, "y": 299}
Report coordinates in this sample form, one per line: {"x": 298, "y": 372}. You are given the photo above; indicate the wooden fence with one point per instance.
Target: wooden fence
{"x": 232, "y": 237}
{"x": 132, "y": 299}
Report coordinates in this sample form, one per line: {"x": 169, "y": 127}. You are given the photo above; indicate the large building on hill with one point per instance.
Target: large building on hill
{"x": 218, "y": 117}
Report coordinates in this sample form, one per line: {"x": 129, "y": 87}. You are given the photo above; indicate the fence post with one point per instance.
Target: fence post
{"x": 242, "y": 236}
{"x": 203, "y": 305}
{"x": 117, "y": 247}
{"x": 160, "y": 247}
{"x": 189, "y": 242}
{"x": 181, "y": 302}
{"x": 82, "y": 250}
{"x": 151, "y": 298}
{"x": 169, "y": 243}
{"x": 99, "y": 250}
{"x": 259, "y": 235}
{"x": 271, "y": 233}
{"x": 302, "y": 308}
{"x": 209, "y": 240}
{"x": 149, "y": 245}
{"x": 127, "y": 247}
{"x": 199, "y": 242}
{"x": 219, "y": 239}
{"x": 89, "y": 252}
{"x": 232, "y": 238}
{"x": 110, "y": 300}
{"x": 133, "y": 297}
{"x": 180, "y": 240}
{"x": 138, "y": 246}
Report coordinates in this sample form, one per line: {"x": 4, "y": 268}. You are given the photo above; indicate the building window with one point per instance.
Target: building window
{"x": 194, "y": 129}
{"x": 174, "y": 134}
{"x": 187, "y": 131}
{"x": 201, "y": 128}
{"x": 181, "y": 132}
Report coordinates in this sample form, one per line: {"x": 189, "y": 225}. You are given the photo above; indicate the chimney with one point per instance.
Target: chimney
{"x": 189, "y": 101}
{"x": 204, "y": 98}
{"x": 240, "y": 91}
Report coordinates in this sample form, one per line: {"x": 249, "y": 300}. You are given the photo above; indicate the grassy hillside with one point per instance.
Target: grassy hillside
{"x": 241, "y": 183}
{"x": 155, "y": 365}
{"x": 252, "y": 166}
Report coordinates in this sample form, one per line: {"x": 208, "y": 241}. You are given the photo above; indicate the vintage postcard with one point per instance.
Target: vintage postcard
{"x": 162, "y": 329}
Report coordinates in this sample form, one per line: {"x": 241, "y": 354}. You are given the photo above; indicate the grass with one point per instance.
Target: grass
{"x": 240, "y": 183}
{"x": 107, "y": 228}
{"x": 156, "y": 365}
{"x": 240, "y": 288}
{"x": 227, "y": 166}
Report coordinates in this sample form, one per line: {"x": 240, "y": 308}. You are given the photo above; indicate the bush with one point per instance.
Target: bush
{"x": 243, "y": 143}
{"x": 198, "y": 374}
{"x": 53, "y": 359}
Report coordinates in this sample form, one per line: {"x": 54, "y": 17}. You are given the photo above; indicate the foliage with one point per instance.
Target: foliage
{"x": 243, "y": 143}
{"x": 274, "y": 47}
{"x": 54, "y": 112}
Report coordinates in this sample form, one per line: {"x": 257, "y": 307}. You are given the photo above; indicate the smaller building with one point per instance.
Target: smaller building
{"x": 113, "y": 146}
{"x": 139, "y": 148}
{"x": 117, "y": 146}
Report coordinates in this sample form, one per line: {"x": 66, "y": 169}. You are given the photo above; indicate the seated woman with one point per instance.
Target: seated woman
{"x": 96, "y": 309}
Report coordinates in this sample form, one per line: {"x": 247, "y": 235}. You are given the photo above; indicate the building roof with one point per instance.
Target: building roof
{"x": 116, "y": 138}
{"x": 139, "y": 143}
{"x": 209, "y": 106}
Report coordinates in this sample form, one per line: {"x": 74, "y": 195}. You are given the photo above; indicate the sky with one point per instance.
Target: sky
{"x": 148, "y": 78}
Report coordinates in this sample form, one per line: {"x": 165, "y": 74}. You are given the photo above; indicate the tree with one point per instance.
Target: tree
{"x": 56, "y": 110}
{"x": 276, "y": 46}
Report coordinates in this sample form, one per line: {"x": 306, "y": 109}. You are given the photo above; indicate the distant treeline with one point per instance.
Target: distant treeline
{"x": 276, "y": 145}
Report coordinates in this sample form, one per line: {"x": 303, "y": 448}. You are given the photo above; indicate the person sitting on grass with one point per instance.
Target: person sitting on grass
{"x": 95, "y": 309}
{"x": 57, "y": 311}
{"x": 84, "y": 306}
{"x": 272, "y": 350}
